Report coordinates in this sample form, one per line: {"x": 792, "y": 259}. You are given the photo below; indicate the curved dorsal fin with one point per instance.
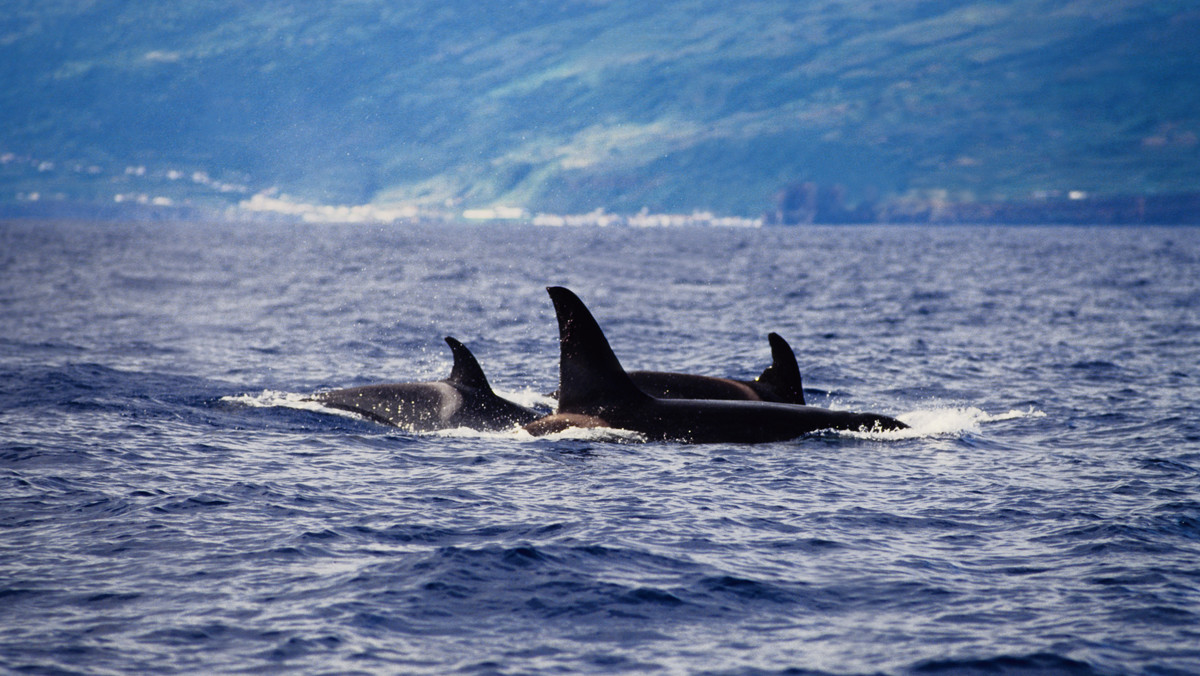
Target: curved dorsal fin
{"x": 466, "y": 371}
{"x": 589, "y": 375}
{"x": 783, "y": 375}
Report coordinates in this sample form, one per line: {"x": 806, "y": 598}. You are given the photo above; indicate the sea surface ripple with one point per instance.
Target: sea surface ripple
{"x": 168, "y": 504}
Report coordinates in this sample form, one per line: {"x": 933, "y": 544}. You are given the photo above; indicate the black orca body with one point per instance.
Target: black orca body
{"x": 595, "y": 391}
{"x": 780, "y": 382}
{"x": 465, "y": 399}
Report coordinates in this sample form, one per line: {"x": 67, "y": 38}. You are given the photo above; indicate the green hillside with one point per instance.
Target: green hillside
{"x": 571, "y": 105}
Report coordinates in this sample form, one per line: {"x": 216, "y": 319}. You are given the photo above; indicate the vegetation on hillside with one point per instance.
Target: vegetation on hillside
{"x": 576, "y": 104}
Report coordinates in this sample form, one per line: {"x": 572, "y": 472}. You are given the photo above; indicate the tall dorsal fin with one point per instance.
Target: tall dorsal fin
{"x": 466, "y": 371}
{"x": 783, "y": 375}
{"x": 589, "y": 375}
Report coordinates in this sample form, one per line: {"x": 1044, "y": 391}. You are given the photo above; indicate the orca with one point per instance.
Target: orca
{"x": 465, "y": 399}
{"x": 595, "y": 391}
{"x": 779, "y": 382}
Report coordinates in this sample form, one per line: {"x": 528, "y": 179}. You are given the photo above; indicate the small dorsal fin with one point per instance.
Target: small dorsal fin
{"x": 783, "y": 375}
{"x": 589, "y": 376}
{"x": 466, "y": 371}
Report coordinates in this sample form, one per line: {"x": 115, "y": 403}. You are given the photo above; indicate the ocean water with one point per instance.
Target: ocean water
{"x": 168, "y": 504}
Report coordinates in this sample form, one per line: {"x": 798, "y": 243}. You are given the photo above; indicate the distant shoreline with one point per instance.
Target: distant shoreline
{"x": 1172, "y": 209}
{"x": 805, "y": 203}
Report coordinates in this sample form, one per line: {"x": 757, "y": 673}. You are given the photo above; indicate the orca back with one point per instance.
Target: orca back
{"x": 590, "y": 377}
{"x": 594, "y": 390}
{"x": 666, "y": 385}
{"x": 481, "y": 407}
{"x": 464, "y": 399}
{"x": 466, "y": 372}
{"x": 782, "y": 377}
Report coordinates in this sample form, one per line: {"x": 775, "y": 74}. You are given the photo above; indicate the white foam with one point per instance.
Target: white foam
{"x": 1014, "y": 414}
{"x": 945, "y": 421}
{"x": 528, "y": 398}
{"x": 277, "y": 399}
{"x": 469, "y": 433}
{"x": 603, "y": 434}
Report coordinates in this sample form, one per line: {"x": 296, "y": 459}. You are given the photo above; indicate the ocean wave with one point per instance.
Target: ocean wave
{"x": 1023, "y": 665}
{"x": 171, "y": 502}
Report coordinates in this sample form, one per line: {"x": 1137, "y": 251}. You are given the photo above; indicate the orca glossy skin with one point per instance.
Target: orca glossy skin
{"x": 595, "y": 391}
{"x": 465, "y": 399}
{"x": 779, "y": 382}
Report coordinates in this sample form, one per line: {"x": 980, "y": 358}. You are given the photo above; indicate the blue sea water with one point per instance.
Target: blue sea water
{"x": 168, "y": 504}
